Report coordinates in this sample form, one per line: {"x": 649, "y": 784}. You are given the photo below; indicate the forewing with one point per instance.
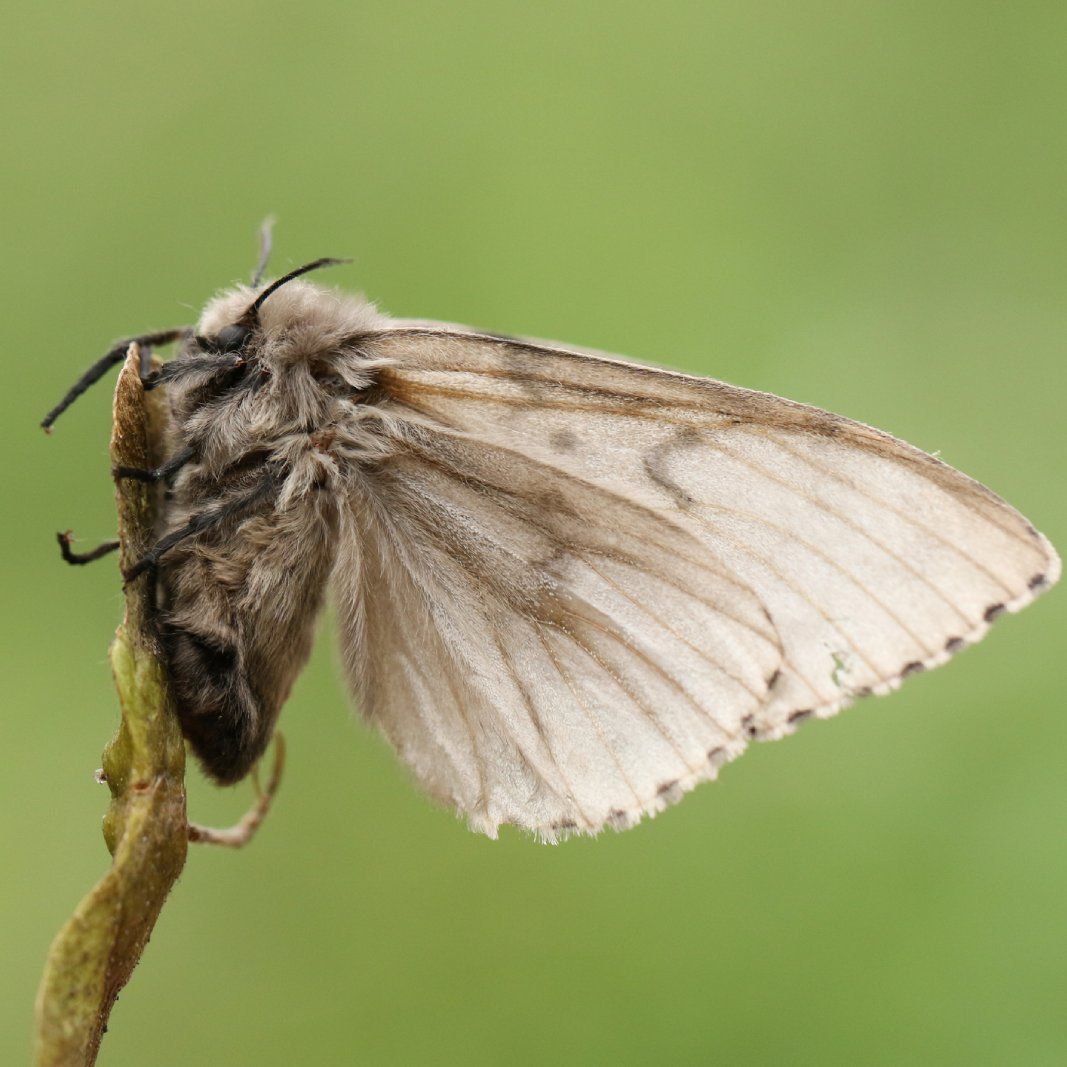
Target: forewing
{"x": 588, "y": 582}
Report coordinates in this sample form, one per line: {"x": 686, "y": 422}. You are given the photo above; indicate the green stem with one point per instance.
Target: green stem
{"x": 94, "y": 954}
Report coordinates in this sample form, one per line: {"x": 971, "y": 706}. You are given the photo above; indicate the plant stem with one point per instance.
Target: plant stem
{"x": 94, "y": 954}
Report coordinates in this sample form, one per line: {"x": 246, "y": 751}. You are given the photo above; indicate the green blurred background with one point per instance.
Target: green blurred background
{"x": 856, "y": 205}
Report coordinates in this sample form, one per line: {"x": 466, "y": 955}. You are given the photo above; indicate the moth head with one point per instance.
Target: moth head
{"x": 270, "y": 359}
{"x": 280, "y": 326}
{"x": 231, "y": 323}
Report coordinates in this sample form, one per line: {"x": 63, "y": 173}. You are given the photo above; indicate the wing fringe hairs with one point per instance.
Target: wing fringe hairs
{"x": 586, "y": 585}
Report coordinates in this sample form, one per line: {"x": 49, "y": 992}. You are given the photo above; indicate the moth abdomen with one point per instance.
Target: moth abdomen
{"x": 220, "y": 715}
{"x": 239, "y": 602}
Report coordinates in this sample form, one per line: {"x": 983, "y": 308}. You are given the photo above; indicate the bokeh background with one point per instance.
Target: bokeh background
{"x": 855, "y": 205}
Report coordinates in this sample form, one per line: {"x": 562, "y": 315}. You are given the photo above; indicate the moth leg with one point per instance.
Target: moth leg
{"x": 201, "y": 522}
{"x": 238, "y": 835}
{"x": 79, "y": 558}
{"x": 114, "y": 355}
{"x": 176, "y": 369}
{"x": 157, "y": 474}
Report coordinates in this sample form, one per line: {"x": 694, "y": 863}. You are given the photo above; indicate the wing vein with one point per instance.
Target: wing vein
{"x": 648, "y": 609}
{"x": 842, "y": 517}
{"x": 656, "y": 668}
{"x": 650, "y": 411}
{"x": 905, "y": 516}
{"x": 535, "y": 720}
{"x": 590, "y": 717}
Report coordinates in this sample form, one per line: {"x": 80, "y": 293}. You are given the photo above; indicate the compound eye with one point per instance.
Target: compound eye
{"x": 232, "y": 338}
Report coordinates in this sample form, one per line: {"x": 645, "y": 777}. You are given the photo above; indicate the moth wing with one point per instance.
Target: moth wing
{"x": 587, "y": 583}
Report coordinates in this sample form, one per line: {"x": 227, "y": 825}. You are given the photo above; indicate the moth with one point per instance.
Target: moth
{"x": 569, "y": 586}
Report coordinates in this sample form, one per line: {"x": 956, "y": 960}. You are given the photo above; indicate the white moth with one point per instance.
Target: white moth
{"x": 570, "y": 587}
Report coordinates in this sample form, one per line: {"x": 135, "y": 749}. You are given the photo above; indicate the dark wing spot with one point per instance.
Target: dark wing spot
{"x": 1039, "y": 581}
{"x": 716, "y": 753}
{"x": 748, "y": 722}
{"x": 954, "y": 645}
{"x": 915, "y": 667}
{"x": 773, "y": 680}
{"x": 796, "y": 717}
{"x": 994, "y": 611}
{"x": 666, "y": 787}
{"x": 657, "y": 465}
{"x": 863, "y": 691}
{"x": 563, "y": 441}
